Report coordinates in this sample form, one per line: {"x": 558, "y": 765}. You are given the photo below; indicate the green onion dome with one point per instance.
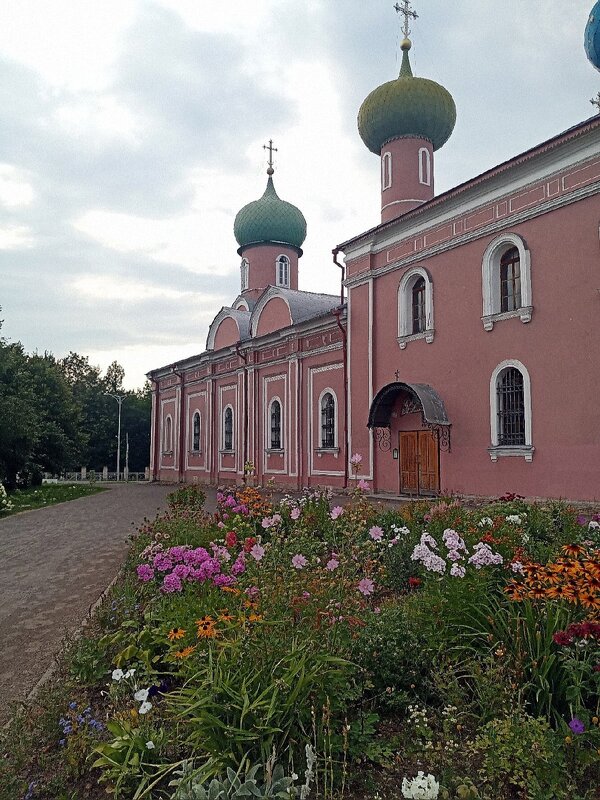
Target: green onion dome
{"x": 407, "y": 106}
{"x": 270, "y": 219}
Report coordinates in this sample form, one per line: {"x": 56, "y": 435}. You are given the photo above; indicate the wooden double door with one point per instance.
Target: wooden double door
{"x": 419, "y": 462}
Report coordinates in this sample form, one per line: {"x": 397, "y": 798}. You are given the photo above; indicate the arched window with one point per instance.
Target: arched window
{"x": 196, "y": 432}
{"x": 386, "y": 171}
{"x": 275, "y": 425}
{"x": 168, "y": 439}
{"x": 424, "y": 166}
{"x": 228, "y": 428}
{"x": 510, "y": 280}
{"x": 510, "y": 411}
{"x": 415, "y": 307}
{"x": 244, "y": 273}
{"x": 283, "y": 271}
{"x": 327, "y": 420}
{"x": 418, "y": 306}
{"x": 506, "y": 281}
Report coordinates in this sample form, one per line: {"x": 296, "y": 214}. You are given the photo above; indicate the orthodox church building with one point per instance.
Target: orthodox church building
{"x": 464, "y": 323}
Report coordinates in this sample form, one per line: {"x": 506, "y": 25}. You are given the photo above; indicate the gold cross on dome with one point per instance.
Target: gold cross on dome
{"x": 408, "y": 14}
{"x": 271, "y": 150}
{"x": 596, "y": 102}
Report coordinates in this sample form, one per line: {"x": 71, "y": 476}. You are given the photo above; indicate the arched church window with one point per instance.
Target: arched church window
{"x": 327, "y": 420}
{"x": 275, "y": 425}
{"x": 510, "y": 280}
{"x": 168, "y": 438}
{"x": 228, "y": 428}
{"x": 283, "y": 271}
{"x": 510, "y": 411}
{"x": 244, "y": 273}
{"x": 418, "y": 306}
{"x": 196, "y": 432}
{"x": 424, "y": 166}
{"x": 386, "y": 171}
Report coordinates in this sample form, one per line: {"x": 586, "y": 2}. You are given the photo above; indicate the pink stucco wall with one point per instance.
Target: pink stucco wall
{"x": 261, "y": 259}
{"x": 406, "y": 191}
{"x": 274, "y": 316}
{"x": 227, "y": 334}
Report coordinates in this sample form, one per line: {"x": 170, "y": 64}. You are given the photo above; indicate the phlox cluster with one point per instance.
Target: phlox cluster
{"x": 423, "y": 787}
{"x": 180, "y": 564}
{"x": 457, "y": 554}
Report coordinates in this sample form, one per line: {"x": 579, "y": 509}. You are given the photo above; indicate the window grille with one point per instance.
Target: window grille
{"x": 327, "y": 420}
{"x": 275, "y": 425}
{"x": 228, "y": 429}
{"x": 510, "y": 280}
{"x": 418, "y": 306}
{"x": 511, "y": 408}
{"x": 196, "y": 432}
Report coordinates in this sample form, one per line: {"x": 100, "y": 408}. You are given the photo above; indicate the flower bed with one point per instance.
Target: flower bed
{"x": 307, "y": 650}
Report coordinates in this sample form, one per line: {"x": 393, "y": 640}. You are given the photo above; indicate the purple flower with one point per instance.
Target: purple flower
{"x": 336, "y": 512}
{"x": 182, "y": 571}
{"x": 295, "y": 513}
{"x": 332, "y": 564}
{"x": 299, "y": 561}
{"x": 223, "y": 580}
{"x": 576, "y": 726}
{"x": 239, "y": 565}
{"x": 364, "y": 485}
{"x": 231, "y": 501}
{"x": 177, "y": 553}
{"x": 267, "y": 522}
{"x": 457, "y": 571}
{"x": 376, "y": 533}
{"x": 171, "y": 583}
{"x": 581, "y": 520}
{"x": 366, "y": 587}
{"x": 145, "y": 572}
{"x": 162, "y": 563}
{"x": 356, "y": 459}
{"x": 257, "y": 552}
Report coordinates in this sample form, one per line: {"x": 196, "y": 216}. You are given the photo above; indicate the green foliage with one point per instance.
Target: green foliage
{"x": 520, "y": 757}
{"x": 188, "y": 498}
{"x": 89, "y": 663}
{"x": 234, "y": 786}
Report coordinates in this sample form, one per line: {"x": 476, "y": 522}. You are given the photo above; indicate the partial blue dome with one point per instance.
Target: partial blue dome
{"x": 592, "y": 36}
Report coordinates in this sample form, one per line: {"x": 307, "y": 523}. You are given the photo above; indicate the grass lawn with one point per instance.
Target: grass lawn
{"x": 47, "y": 495}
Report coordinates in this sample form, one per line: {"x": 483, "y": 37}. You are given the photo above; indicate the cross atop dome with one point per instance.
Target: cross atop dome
{"x": 271, "y": 150}
{"x": 409, "y": 14}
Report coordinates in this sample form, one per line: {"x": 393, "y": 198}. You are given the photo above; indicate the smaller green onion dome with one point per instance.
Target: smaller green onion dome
{"x": 407, "y": 106}
{"x": 270, "y": 219}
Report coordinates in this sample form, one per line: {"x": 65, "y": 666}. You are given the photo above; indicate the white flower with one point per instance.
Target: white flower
{"x": 117, "y": 674}
{"x": 130, "y": 673}
{"x": 485, "y": 522}
{"x": 514, "y": 519}
{"x": 150, "y": 745}
{"x": 593, "y": 525}
{"x": 141, "y": 695}
{"x": 145, "y": 707}
{"x": 423, "y": 787}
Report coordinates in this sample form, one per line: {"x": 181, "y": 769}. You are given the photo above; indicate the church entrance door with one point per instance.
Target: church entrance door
{"x": 419, "y": 462}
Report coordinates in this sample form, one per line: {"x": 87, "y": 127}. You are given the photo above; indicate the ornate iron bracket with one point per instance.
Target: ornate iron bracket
{"x": 443, "y": 435}
{"x": 383, "y": 438}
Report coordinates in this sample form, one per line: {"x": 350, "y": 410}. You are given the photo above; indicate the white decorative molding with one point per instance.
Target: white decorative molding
{"x": 386, "y": 171}
{"x": 310, "y": 417}
{"x": 525, "y": 314}
{"x": 518, "y": 452}
{"x": 405, "y": 316}
{"x": 497, "y": 450}
{"x": 490, "y": 280}
{"x": 424, "y": 166}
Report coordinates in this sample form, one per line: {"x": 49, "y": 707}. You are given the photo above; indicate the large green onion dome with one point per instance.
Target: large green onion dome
{"x": 407, "y": 106}
{"x": 270, "y": 219}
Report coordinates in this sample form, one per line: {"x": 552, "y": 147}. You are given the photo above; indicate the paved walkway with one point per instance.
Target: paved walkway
{"x": 55, "y": 563}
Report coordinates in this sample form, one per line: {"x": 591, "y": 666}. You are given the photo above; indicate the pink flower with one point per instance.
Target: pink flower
{"x": 182, "y": 571}
{"x": 252, "y": 591}
{"x": 356, "y": 459}
{"x": 376, "y": 533}
{"x": 366, "y": 587}
{"x": 257, "y": 552}
{"x": 267, "y": 522}
{"x": 171, "y": 583}
{"x": 162, "y": 563}
{"x": 364, "y": 485}
{"x": 336, "y": 512}
{"x": 332, "y": 564}
{"x": 145, "y": 572}
{"x": 299, "y": 561}
{"x": 220, "y": 524}
{"x": 295, "y": 513}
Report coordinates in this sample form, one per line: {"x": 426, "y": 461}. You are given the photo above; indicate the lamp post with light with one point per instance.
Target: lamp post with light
{"x": 119, "y": 398}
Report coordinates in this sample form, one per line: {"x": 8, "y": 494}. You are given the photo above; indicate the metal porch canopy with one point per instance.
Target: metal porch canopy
{"x": 431, "y": 404}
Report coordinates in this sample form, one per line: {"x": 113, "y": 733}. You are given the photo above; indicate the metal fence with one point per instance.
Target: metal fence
{"x": 91, "y": 476}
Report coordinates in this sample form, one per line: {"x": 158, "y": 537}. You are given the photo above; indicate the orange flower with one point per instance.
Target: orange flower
{"x": 207, "y": 620}
{"x": 572, "y": 549}
{"x": 230, "y": 589}
{"x": 225, "y": 616}
{"x": 515, "y": 591}
{"x": 561, "y": 593}
{"x": 537, "y": 592}
{"x": 589, "y": 600}
{"x": 255, "y": 617}
{"x": 185, "y": 653}
{"x": 175, "y": 633}
{"x": 206, "y": 628}
{"x": 250, "y": 604}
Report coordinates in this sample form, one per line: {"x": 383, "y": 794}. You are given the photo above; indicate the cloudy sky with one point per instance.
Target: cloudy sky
{"x": 131, "y": 133}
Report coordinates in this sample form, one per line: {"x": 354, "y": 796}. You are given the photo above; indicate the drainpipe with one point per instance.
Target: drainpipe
{"x": 182, "y": 426}
{"x": 244, "y": 357}
{"x": 156, "y": 443}
{"x": 335, "y": 252}
{"x": 337, "y": 312}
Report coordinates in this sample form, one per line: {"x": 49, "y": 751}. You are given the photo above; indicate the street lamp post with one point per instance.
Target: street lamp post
{"x": 119, "y": 398}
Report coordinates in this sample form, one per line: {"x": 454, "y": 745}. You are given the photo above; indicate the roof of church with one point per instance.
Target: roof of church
{"x": 269, "y": 219}
{"x": 305, "y": 305}
{"x": 573, "y": 132}
{"x": 407, "y": 106}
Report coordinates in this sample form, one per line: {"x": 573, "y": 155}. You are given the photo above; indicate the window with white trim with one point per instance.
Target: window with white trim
{"x": 415, "y": 307}
{"x": 274, "y": 438}
{"x": 283, "y": 271}
{"x": 228, "y": 428}
{"x": 168, "y": 436}
{"x": 328, "y": 431}
{"x": 244, "y": 266}
{"x": 506, "y": 281}
{"x": 510, "y": 411}
{"x": 196, "y": 432}
{"x": 386, "y": 171}
{"x": 424, "y": 166}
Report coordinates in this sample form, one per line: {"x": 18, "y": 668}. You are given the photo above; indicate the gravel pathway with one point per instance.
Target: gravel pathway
{"x": 55, "y": 563}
